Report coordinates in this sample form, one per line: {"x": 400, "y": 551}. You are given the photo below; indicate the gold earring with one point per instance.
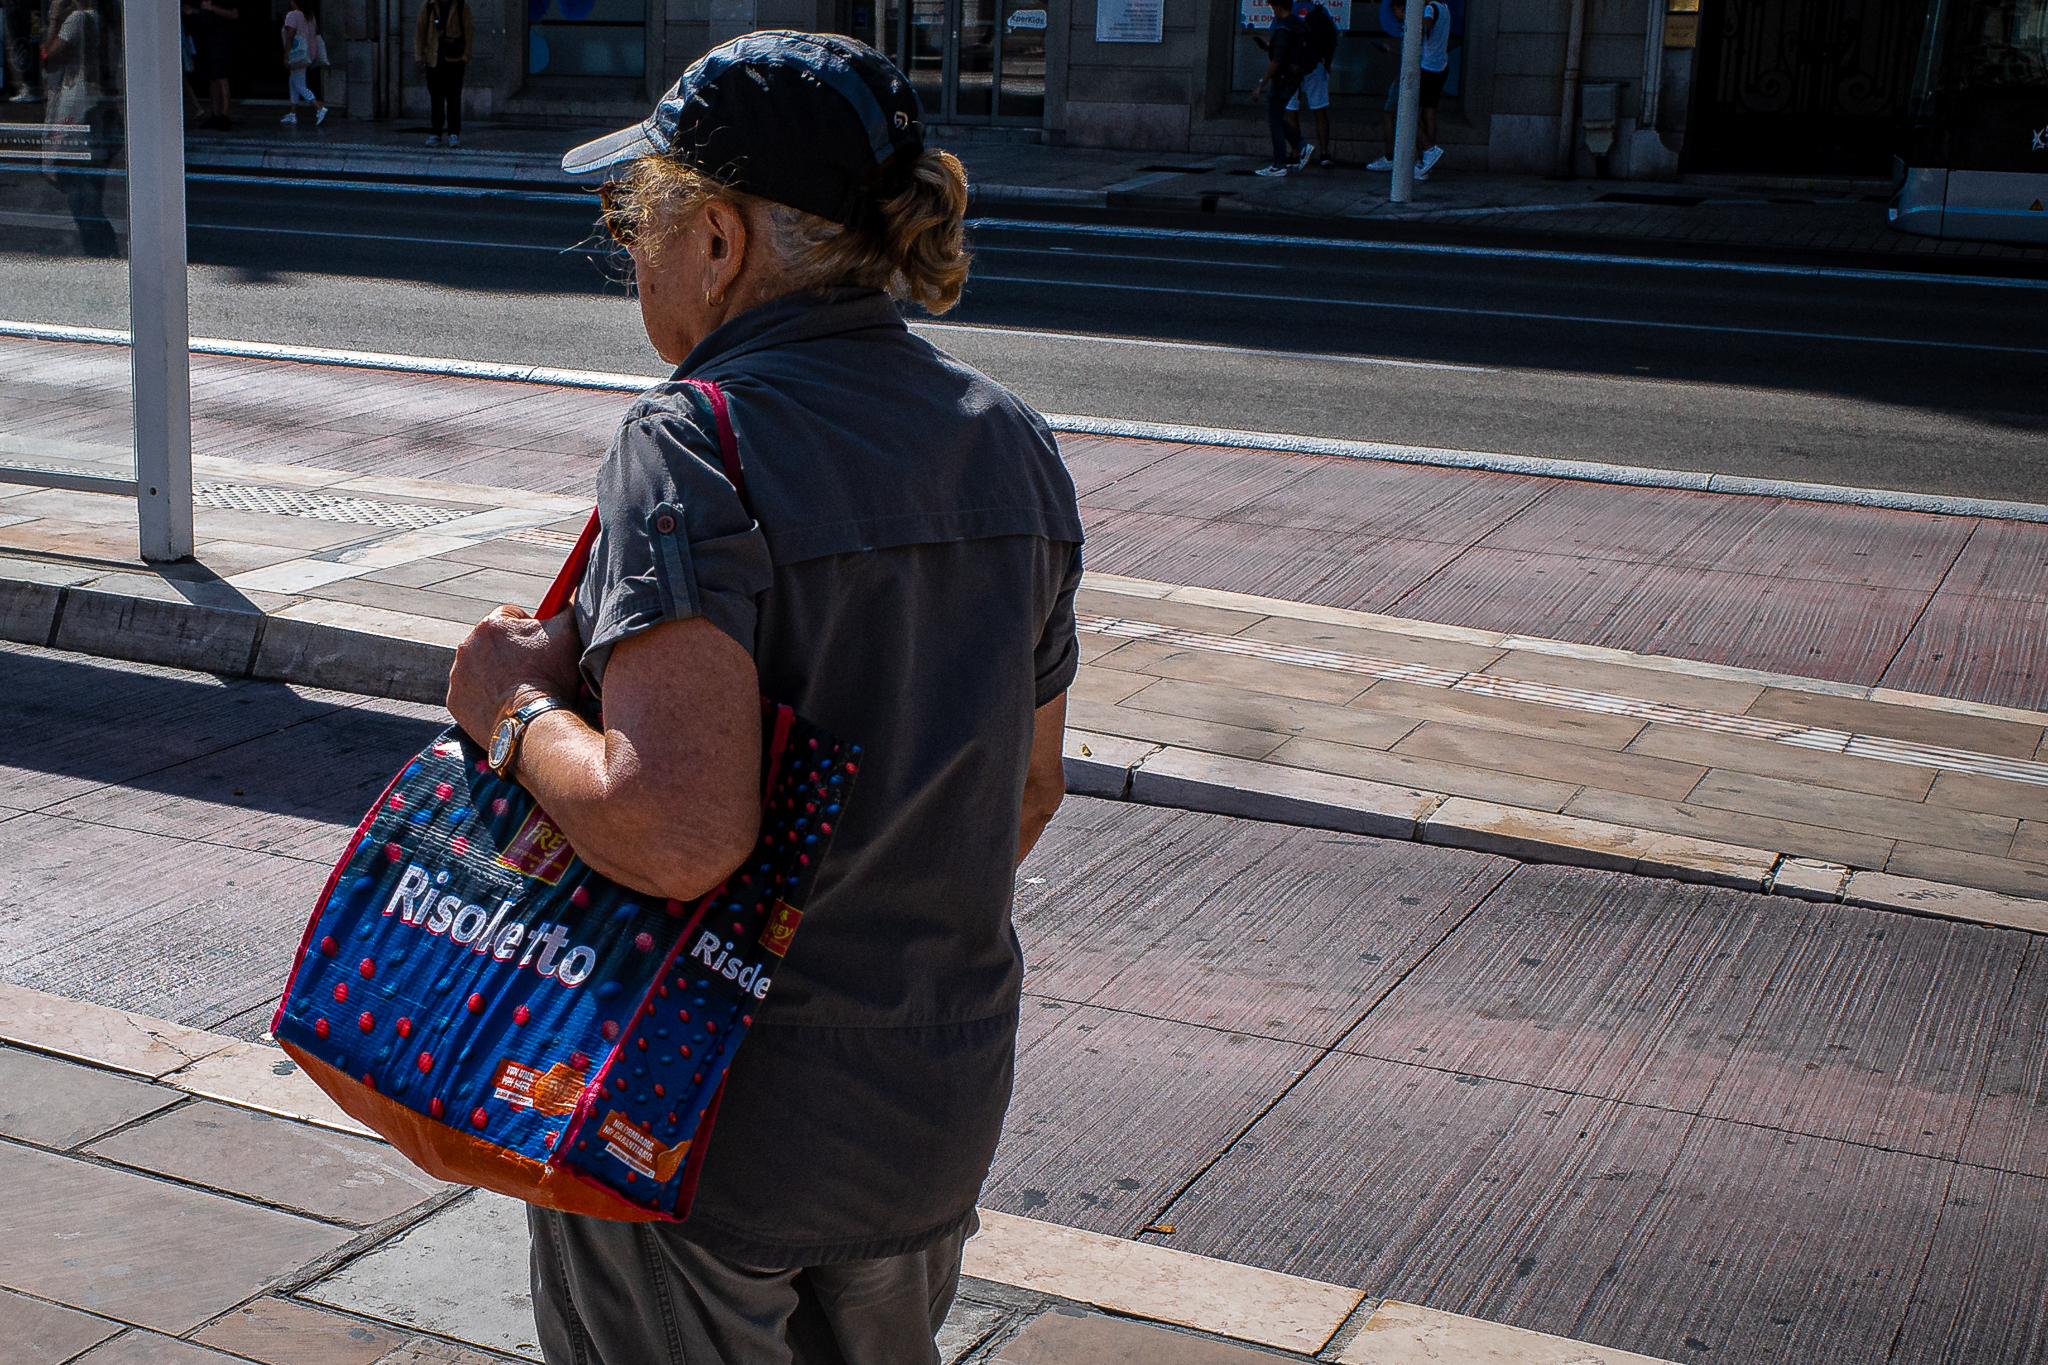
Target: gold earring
{"x": 710, "y": 301}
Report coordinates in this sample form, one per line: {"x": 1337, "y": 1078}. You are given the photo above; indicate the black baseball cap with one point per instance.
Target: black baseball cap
{"x": 817, "y": 121}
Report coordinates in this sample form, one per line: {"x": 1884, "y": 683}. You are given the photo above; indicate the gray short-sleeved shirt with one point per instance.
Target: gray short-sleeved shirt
{"x": 909, "y": 586}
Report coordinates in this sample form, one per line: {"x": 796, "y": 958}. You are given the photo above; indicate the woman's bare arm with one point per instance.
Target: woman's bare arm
{"x": 666, "y": 798}
{"x": 1045, "y": 783}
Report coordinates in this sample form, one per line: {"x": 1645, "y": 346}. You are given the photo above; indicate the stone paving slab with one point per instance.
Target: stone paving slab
{"x": 1258, "y": 706}
{"x": 451, "y": 1288}
{"x": 1295, "y": 1179}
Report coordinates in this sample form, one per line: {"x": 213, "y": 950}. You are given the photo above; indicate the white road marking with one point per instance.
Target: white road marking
{"x": 1510, "y": 313}
{"x": 1090, "y": 339}
{"x": 1069, "y": 253}
{"x": 1144, "y": 234}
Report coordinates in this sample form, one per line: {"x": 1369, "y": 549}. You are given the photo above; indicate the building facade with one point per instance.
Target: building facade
{"x": 1800, "y": 87}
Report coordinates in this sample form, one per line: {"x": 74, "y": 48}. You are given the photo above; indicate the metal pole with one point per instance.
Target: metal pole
{"x": 1568, "y": 117}
{"x": 1408, "y": 110}
{"x": 157, "y": 318}
{"x": 1653, "y": 67}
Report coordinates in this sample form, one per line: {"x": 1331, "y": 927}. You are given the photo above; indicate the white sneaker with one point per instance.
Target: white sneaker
{"x": 1385, "y": 163}
{"x": 1308, "y": 152}
{"x": 433, "y": 139}
{"x": 1271, "y": 170}
{"x": 454, "y": 141}
{"x": 1421, "y": 169}
{"x": 320, "y": 117}
{"x": 292, "y": 117}
{"x": 1431, "y": 157}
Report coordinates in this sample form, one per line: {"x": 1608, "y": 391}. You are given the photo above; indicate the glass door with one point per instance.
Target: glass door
{"x": 971, "y": 61}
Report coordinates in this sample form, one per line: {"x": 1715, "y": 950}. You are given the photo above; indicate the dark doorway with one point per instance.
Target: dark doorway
{"x": 1804, "y": 87}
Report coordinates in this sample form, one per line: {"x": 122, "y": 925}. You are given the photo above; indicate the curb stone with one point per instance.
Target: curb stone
{"x": 308, "y": 652}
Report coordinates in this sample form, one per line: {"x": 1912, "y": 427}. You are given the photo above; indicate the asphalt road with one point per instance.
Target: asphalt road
{"x": 1844, "y": 377}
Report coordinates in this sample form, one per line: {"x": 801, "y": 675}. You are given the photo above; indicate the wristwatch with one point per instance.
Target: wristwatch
{"x": 505, "y": 739}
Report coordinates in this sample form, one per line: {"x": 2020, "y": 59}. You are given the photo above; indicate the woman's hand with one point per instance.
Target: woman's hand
{"x": 508, "y": 660}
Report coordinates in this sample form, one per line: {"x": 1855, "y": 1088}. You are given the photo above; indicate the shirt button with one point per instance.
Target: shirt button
{"x": 665, "y": 524}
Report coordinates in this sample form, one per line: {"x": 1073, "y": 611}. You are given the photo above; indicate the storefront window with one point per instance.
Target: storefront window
{"x": 587, "y": 38}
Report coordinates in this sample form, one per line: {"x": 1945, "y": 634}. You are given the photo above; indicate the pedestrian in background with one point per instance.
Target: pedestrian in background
{"x": 1315, "y": 89}
{"x": 442, "y": 44}
{"x": 77, "y": 120}
{"x": 1436, "y": 68}
{"x": 213, "y": 35}
{"x": 19, "y": 52}
{"x": 302, "y": 47}
{"x": 1290, "y": 57}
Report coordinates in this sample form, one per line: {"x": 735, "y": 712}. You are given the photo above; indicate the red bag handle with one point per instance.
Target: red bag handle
{"x": 563, "y": 591}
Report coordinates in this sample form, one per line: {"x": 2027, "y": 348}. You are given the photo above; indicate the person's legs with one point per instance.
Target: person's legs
{"x": 1323, "y": 130}
{"x": 608, "y": 1293}
{"x": 1285, "y": 138}
{"x": 454, "y": 79}
{"x": 437, "y": 97}
{"x": 882, "y": 1312}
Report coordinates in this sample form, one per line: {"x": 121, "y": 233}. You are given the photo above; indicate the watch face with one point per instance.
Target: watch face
{"x": 501, "y": 743}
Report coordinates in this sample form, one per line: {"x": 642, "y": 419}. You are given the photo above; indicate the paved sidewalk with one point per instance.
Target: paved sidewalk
{"x": 1688, "y": 1121}
{"x": 1832, "y": 702}
{"x": 205, "y": 1203}
{"x": 1711, "y": 212}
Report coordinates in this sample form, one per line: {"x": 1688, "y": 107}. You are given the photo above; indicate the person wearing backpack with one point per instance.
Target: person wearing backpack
{"x": 1291, "y": 56}
{"x": 441, "y": 45}
{"x": 1315, "y": 89}
{"x": 302, "y": 47}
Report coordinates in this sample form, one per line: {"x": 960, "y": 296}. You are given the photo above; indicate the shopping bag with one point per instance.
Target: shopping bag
{"x": 510, "y": 1019}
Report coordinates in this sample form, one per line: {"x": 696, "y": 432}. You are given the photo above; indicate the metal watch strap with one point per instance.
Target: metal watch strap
{"x": 523, "y": 717}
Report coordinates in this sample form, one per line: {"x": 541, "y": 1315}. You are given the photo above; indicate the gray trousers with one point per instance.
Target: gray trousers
{"x": 608, "y": 1293}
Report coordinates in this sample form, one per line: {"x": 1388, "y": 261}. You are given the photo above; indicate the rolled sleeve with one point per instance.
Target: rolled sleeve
{"x": 675, "y": 541}
{"x": 1058, "y": 656}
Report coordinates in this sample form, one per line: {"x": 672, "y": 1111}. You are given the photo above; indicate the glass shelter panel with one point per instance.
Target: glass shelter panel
{"x": 65, "y": 406}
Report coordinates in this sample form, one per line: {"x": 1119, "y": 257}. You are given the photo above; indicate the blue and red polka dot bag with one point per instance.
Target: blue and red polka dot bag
{"x": 510, "y": 1019}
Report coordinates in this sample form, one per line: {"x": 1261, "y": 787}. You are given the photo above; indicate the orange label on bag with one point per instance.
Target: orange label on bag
{"x": 538, "y": 849}
{"x": 782, "y": 923}
{"x": 639, "y": 1150}
{"x": 554, "y": 1091}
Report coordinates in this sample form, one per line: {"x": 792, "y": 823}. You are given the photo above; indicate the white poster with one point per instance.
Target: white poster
{"x": 1259, "y": 15}
{"x": 1130, "y": 21}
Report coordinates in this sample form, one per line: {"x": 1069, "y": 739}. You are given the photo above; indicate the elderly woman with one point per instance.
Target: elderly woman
{"x": 899, "y": 566}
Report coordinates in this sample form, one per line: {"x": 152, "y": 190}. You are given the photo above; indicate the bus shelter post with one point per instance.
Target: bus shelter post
{"x": 158, "y": 320}
{"x": 1407, "y": 109}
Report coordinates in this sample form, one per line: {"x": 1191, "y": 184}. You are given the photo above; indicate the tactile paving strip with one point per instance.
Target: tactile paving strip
{"x": 297, "y": 502}
{"x": 1574, "y": 699}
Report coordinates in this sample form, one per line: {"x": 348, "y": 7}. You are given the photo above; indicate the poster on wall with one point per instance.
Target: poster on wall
{"x": 1257, "y": 14}
{"x": 1130, "y": 21}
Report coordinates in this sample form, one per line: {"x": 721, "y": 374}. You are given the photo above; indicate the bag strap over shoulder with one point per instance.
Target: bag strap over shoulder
{"x": 563, "y": 591}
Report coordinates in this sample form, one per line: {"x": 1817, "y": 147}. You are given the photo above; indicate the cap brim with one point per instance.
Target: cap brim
{"x": 614, "y": 149}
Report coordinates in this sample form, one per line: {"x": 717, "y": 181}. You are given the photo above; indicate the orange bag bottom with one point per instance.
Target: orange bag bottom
{"x": 446, "y": 1154}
